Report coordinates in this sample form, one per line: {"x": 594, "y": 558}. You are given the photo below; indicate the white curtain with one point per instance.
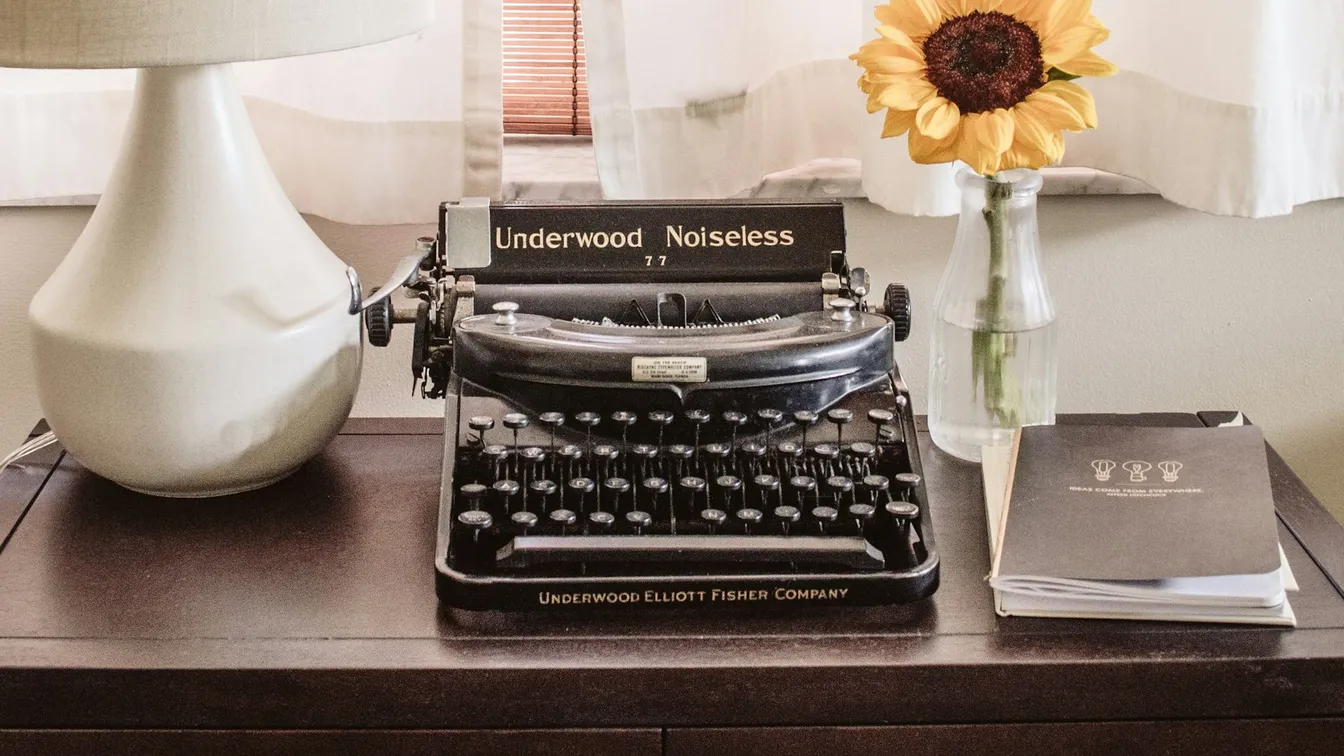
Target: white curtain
{"x": 1227, "y": 106}
{"x": 378, "y": 134}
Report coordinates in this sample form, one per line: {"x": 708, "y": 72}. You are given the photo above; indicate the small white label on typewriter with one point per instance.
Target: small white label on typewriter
{"x": 668, "y": 369}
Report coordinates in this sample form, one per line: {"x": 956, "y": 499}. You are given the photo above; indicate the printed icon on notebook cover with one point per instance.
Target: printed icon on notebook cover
{"x": 1138, "y": 470}
{"x": 1169, "y": 470}
{"x": 1102, "y": 468}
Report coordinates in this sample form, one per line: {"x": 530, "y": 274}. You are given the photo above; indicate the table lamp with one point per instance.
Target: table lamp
{"x": 198, "y": 339}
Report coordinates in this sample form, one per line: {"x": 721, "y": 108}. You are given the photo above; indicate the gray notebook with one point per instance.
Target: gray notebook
{"x": 1128, "y": 503}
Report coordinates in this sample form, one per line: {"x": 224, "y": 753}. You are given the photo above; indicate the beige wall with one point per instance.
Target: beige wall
{"x": 1160, "y": 308}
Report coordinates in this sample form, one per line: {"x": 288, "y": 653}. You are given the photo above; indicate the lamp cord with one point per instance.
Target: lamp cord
{"x": 31, "y": 446}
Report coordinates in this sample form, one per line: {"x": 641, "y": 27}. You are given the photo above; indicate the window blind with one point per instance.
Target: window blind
{"x": 545, "y": 87}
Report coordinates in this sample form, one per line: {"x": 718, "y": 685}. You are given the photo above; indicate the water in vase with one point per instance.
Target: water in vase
{"x": 962, "y": 418}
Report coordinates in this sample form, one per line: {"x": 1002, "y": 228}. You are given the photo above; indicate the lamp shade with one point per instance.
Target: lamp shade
{"x": 144, "y": 33}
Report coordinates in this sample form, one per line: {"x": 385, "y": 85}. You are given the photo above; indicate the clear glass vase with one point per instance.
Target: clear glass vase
{"x": 994, "y": 358}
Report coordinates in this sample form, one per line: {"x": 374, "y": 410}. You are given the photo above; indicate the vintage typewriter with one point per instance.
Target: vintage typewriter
{"x": 664, "y": 403}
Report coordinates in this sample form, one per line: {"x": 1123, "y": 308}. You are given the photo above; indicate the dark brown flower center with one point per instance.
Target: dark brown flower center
{"x": 984, "y": 61}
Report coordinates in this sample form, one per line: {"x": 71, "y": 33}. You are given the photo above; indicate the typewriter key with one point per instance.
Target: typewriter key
{"x": 841, "y": 487}
{"x": 476, "y": 521}
{"x": 678, "y": 453}
{"x": 880, "y": 418}
{"x": 787, "y": 516}
{"x": 752, "y": 453}
{"x": 692, "y": 485}
{"x": 749, "y": 517}
{"x": 617, "y": 488}
{"x": 717, "y": 455}
{"x": 515, "y": 421}
{"x": 565, "y": 519}
{"x": 802, "y": 485}
{"x": 903, "y": 511}
{"x": 901, "y": 404}
{"x": 769, "y": 419}
{"x": 495, "y": 455}
{"x": 645, "y": 454}
{"x": 877, "y": 485}
{"x": 907, "y": 482}
{"x": 506, "y": 490}
{"x": 697, "y": 418}
{"x": 552, "y": 420}
{"x": 600, "y": 522}
{"x": 579, "y": 488}
{"x": 766, "y": 484}
{"x": 861, "y": 455}
{"x": 639, "y": 520}
{"x": 806, "y": 419}
{"x": 524, "y": 520}
{"x": 474, "y": 494}
{"x": 545, "y": 489}
{"x": 728, "y": 484}
{"x": 825, "y": 456}
{"x": 625, "y": 420}
{"x": 824, "y": 516}
{"x": 605, "y": 455}
{"x": 571, "y": 454}
{"x": 714, "y": 517}
{"x": 841, "y": 418}
{"x": 734, "y": 420}
{"x": 481, "y": 424}
{"x": 862, "y": 514}
{"x": 789, "y": 452}
{"x": 588, "y": 420}
{"x": 661, "y": 419}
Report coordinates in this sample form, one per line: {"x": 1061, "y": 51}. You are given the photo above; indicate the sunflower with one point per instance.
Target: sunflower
{"x": 988, "y": 82}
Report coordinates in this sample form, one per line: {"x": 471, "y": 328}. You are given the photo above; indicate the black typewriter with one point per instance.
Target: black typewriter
{"x": 664, "y": 404}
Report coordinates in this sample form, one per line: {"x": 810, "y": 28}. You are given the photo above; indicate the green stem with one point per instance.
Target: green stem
{"x": 992, "y": 343}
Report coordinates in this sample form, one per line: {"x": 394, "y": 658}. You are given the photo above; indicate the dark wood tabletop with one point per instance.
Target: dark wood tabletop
{"x": 305, "y": 613}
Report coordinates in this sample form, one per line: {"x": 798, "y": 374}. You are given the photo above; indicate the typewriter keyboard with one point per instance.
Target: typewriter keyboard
{"x": 626, "y": 493}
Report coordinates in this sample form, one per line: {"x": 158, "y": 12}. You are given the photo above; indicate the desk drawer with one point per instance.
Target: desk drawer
{"x": 641, "y": 742}
{"x": 1262, "y": 737}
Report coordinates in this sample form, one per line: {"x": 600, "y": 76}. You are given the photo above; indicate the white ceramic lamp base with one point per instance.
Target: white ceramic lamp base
{"x": 197, "y": 340}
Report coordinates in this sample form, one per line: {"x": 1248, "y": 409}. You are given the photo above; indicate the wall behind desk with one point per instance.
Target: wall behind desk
{"x": 1160, "y": 308}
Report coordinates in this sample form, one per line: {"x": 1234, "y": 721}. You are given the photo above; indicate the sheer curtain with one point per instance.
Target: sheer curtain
{"x": 1227, "y": 106}
{"x": 377, "y": 134}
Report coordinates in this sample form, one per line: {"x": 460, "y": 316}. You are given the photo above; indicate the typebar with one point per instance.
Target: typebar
{"x": 851, "y": 551}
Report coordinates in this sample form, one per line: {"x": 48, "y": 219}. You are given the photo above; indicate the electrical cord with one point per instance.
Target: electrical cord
{"x": 32, "y": 445}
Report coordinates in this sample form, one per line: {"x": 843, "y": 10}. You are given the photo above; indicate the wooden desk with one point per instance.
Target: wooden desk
{"x": 303, "y": 618}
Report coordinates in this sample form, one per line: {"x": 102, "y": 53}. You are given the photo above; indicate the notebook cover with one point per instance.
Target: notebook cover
{"x": 1127, "y": 503}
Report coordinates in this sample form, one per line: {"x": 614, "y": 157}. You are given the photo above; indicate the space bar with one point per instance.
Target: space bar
{"x": 841, "y": 551}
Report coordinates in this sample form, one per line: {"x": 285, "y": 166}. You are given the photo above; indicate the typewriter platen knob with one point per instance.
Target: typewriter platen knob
{"x": 896, "y": 305}
{"x": 505, "y": 313}
{"x": 842, "y": 310}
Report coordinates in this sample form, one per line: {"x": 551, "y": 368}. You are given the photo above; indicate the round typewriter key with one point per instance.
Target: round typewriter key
{"x": 714, "y": 517}
{"x": 552, "y": 420}
{"x": 579, "y": 488}
{"x": 506, "y": 490}
{"x": 824, "y": 516}
{"x": 545, "y": 489}
{"x": 802, "y": 485}
{"x": 625, "y": 420}
{"x": 532, "y": 455}
{"x": 601, "y": 522}
{"x": 481, "y": 424}
{"x": 880, "y": 418}
{"x": 863, "y": 450}
{"x": 752, "y": 451}
{"x": 617, "y": 487}
{"x": 902, "y": 510}
{"x": 473, "y": 493}
{"x": 734, "y": 420}
{"x": 662, "y": 419}
{"x": 605, "y": 455}
{"x": 692, "y": 485}
{"x": 826, "y": 455}
{"x": 697, "y": 417}
{"x": 841, "y": 418}
{"x": 789, "y": 452}
{"x": 787, "y": 515}
{"x": 655, "y": 485}
{"x": 564, "y": 518}
{"x": 728, "y": 484}
{"x": 901, "y": 404}
{"x": 476, "y": 520}
{"x": 524, "y": 520}
{"x": 840, "y": 486}
{"x": 908, "y": 482}
{"x": 515, "y": 420}
{"x": 876, "y": 485}
{"x": 678, "y": 454}
{"x": 769, "y": 418}
{"x": 806, "y": 419}
{"x": 639, "y": 520}
{"x": 571, "y": 454}
{"x": 749, "y": 517}
{"x": 862, "y": 514}
{"x": 588, "y": 420}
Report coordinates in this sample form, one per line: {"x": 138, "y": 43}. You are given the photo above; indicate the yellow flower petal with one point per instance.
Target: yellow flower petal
{"x": 897, "y": 122}
{"x": 996, "y": 130}
{"x": 1063, "y": 15}
{"x": 1088, "y": 64}
{"x": 1032, "y": 129}
{"x": 898, "y": 36}
{"x": 937, "y": 117}
{"x": 929, "y": 151}
{"x": 907, "y": 95}
{"x": 917, "y": 18}
{"x": 1077, "y": 98}
{"x": 1030, "y": 12}
{"x": 1070, "y": 43}
{"x": 971, "y": 152}
{"x": 954, "y": 8}
{"x": 1057, "y": 112}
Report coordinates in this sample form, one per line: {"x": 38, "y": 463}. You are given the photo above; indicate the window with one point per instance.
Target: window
{"x": 545, "y": 89}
